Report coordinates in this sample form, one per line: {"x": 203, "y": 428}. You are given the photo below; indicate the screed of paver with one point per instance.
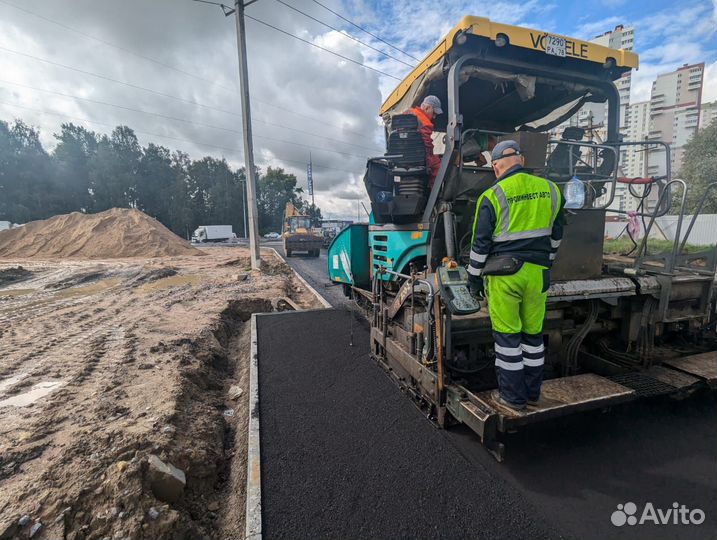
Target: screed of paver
{"x": 346, "y": 455}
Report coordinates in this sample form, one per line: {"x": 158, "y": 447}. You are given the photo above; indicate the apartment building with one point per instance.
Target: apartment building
{"x": 708, "y": 114}
{"x": 674, "y": 114}
{"x": 593, "y": 115}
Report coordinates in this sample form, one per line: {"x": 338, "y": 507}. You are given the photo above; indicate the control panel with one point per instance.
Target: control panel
{"x": 453, "y": 284}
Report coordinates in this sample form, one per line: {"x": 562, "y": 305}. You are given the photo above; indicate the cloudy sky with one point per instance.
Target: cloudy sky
{"x": 168, "y": 69}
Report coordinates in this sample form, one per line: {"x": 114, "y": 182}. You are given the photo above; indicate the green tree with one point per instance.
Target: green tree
{"x": 26, "y": 188}
{"x": 91, "y": 172}
{"x": 311, "y": 210}
{"x": 275, "y": 189}
{"x": 180, "y": 211}
{"x": 113, "y": 170}
{"x": 155, "y": 181}
{"x": 76, "y": 146}
{"x": 699, "y": 168}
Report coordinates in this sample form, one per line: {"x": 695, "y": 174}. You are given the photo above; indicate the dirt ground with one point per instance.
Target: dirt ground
{"x": 105, "y": 363}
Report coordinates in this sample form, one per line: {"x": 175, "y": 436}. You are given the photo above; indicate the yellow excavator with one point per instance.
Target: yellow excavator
{"x": 298, "y": 234}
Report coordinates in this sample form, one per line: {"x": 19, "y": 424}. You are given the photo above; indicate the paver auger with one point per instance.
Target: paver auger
{"x": 617, "y": 328}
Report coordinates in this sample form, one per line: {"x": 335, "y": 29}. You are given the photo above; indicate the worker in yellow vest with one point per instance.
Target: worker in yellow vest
{"x": 517, "y": 230}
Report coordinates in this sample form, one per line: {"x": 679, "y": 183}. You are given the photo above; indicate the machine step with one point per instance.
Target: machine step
{"x": 703, "y": 366}
{"x": 562, "y": 396}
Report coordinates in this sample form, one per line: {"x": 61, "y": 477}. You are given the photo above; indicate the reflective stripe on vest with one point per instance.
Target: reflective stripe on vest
{"x": 522, "y": 189}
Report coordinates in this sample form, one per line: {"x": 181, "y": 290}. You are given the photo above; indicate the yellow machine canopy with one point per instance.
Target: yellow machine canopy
{"x": 516, "y": 78}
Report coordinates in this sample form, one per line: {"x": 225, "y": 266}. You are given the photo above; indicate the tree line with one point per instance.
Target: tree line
{"x": 91, "y": 172}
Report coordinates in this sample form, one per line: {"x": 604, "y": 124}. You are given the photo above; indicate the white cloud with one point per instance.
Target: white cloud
{"x": 334, "y": 98}
{"x": 595, "y": 28}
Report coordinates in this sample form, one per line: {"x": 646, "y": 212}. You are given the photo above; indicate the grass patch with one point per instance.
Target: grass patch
{"x": 624, "y": 245}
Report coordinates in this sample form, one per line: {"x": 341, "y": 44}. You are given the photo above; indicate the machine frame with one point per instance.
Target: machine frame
{"x": 643, "y": 301}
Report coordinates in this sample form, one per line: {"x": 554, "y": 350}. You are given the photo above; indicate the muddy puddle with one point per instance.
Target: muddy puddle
{"x": 29, "y": 397}
{"x": 99, "y": 286}
{"x": 10, "y": 381}
{"x": 16, "y": 292}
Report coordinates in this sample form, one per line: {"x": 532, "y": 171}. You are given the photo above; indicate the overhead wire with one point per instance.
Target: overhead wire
{"x": 114, "y": 45}
{"x": 163, "y": 136}
{"x": 117, "y": 81}
{"x": 225, "y": 8}
{"x": 162, "y": 94}
{"x": 184, "y": 72}
{"x": 320, "y": 47}
{"x": 177, "y": 119}
{"x": 366, "y": 31}
{"x": 184, "y": 100}
{"x": 346, "y": 35}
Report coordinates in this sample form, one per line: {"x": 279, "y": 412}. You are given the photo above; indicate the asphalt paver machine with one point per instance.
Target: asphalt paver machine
{"x": 617, "y": 328}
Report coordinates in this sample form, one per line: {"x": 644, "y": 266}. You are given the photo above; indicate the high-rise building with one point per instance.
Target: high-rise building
{"x": 633, "y": 160}
{"x": 708, "y": 114}
{"x": 593, "y": 115}
{"x": 674, "y": 114}
{"x": 637, "y": 128}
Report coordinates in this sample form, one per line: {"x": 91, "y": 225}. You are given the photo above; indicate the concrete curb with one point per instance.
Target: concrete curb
{"x": 313, "y": 291}
{"x": 253, "y": 476}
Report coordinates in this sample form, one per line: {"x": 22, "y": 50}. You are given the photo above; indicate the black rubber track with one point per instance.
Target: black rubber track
{"x": 346, "y": 455}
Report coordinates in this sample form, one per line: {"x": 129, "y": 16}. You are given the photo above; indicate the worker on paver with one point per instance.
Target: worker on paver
{"x": 517, "y": 230}
{"x": 429, "y": 109}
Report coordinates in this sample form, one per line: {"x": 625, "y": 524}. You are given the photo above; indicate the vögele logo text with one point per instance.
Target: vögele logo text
{"x": 677, "y": 514}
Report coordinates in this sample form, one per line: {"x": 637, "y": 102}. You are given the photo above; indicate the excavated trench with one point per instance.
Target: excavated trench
{"x": 213, "y": 422}
{"x": 204, "y": 437}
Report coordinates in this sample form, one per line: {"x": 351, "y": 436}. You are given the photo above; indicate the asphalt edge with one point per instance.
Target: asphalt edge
{"x": 305, "y": 283}
{"x": 253, "y": 476}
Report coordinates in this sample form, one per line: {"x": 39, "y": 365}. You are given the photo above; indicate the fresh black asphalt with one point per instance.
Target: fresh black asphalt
{"x": 346, "y": 455}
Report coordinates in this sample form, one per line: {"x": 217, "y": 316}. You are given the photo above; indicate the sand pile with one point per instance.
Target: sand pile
{"x": 115, "y": 233}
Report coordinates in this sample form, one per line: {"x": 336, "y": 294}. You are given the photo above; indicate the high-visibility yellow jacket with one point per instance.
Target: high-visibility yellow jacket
{"x": 520, "y": 216}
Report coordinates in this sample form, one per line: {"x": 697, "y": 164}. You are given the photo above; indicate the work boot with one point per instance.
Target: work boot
{"x": 534, "y": 402}
{"x": 497, "y": 397}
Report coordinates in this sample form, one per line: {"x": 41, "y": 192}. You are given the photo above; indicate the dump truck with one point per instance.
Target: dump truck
{"x": 617, "y": 328}
{"x": 298, "y": 234}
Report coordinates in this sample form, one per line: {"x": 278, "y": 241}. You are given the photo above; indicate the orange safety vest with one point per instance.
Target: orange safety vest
{"x": 422, "y": 118}
{"x": 433, "y": 162}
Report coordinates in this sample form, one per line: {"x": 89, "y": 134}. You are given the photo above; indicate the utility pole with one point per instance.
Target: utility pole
{"x": 239, "y": 7}
{"x": 242, "y": 183}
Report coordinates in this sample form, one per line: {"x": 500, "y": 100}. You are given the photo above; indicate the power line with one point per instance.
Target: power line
{"x": 117, "y": 81}
{"x": 321, "y": 48}
{"x": 177, "y": 119}
{"x": 162, "y": 94}
{"x": 169, "y": 137}
{"x": 345, "y": 34}
{"x": 184, "y": 72}
{"x": 364, "y": 30}
{"x": 119, "y": 47}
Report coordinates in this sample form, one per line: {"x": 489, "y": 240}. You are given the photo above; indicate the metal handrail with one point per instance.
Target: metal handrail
{"x": 668, "y": 170}
{"x": 571, "y": 171}
{"x": 643, "y": 245}
{"x": 697, "y": 213}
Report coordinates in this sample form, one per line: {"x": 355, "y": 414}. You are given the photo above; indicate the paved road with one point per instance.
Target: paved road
{"x": 575, "y": 471}
{"x": 314, "y": 270}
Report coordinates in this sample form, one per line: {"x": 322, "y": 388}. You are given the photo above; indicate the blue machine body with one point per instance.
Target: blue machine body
{"x": 360, "y": 249}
